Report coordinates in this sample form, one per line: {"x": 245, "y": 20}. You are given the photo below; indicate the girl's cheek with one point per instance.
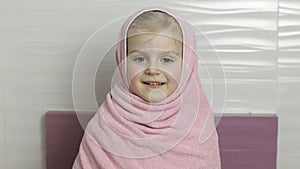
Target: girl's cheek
{"x": 176, "y": 75}
{"x": 133, "y": 71}
{"x": 174, "y": 72}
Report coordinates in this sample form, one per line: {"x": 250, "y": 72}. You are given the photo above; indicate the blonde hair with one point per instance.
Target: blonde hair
{"x": 154, "y": 22}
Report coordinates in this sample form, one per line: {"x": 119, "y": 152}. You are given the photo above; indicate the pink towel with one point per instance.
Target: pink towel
{"x": 130, "y": 133}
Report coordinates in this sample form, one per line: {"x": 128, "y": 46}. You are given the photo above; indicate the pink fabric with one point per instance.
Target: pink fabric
{"x": 128, "y": 132}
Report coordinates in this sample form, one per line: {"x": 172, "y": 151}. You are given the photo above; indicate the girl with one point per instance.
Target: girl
{"x": 156, "y": 116}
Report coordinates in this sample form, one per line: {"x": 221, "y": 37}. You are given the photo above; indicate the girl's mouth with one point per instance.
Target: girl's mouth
{"x": 153, "y": 84}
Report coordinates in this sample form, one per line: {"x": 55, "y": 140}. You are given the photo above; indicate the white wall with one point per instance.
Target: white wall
{"x": 2, "y": 109}
{"x": 40, "y": 41}
{"x": 288, "y": 105}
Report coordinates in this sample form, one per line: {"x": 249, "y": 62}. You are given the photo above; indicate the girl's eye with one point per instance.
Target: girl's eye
{"x": 140, "y": 59}
{"x": 167, "y": 59}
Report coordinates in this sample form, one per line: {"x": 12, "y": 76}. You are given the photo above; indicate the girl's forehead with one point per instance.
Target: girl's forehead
{"x": 153, "y": 41}
{"x": 169, "y": 32}
{"x": 147, "y": 37}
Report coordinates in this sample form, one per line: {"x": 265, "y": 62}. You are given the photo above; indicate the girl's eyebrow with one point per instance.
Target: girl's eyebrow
{"x": 164, "y": 52}
{"x": 171, "y": 52}
{"x": 134, "y": 51}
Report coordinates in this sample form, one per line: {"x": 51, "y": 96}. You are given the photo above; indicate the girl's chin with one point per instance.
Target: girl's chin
{"x": 156, "y": 96}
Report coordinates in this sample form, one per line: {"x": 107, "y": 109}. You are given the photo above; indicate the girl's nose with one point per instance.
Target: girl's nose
{"x": 152, "y": 71}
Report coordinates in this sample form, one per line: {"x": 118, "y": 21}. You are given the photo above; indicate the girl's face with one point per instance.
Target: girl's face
{"x": 154, "y": 66}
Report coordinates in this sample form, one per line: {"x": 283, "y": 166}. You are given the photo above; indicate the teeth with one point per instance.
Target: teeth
{"x": 153, "y": 83}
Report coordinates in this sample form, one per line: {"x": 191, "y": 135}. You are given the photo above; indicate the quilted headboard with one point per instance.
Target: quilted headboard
{"x": 246, "y": 141}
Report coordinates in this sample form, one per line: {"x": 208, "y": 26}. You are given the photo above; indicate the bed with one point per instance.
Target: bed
{"x": 247, "y": 141}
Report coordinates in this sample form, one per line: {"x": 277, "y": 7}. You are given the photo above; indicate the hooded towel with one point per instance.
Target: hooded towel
{"x": 130, "y": 133}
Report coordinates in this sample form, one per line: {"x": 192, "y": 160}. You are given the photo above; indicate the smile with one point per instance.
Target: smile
{"x": 153, "y": 84}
